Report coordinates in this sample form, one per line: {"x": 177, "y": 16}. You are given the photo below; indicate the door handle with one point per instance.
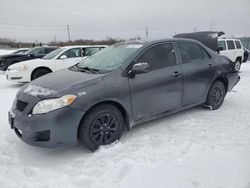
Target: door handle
{"x": 176, "y": 74}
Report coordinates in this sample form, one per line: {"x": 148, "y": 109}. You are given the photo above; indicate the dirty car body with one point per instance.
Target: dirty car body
{"x": 141, "y": 86}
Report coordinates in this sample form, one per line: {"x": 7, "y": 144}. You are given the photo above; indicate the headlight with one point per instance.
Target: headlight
{"x": 20, "y": 68}
{"x": 48, "y": 105}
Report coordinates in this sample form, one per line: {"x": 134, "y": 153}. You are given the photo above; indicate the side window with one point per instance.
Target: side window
{"x": 159, "y": 56}
{"x": 222, "y": 44}
{"x": 90, "y": 51}
{"x": 76, "y": 52}
{"x": 230, "y": 45}
{"x": 238, "y": 45}
{"x": 205, "y": 54}
{"x": 38, "y": 51}
{"x": 189, "y": 51}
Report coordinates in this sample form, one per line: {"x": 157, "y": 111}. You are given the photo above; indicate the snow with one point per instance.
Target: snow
{"x": 196, "y": 148}
{"x": 5, "y": 52}
{"x": 37, "y": 90}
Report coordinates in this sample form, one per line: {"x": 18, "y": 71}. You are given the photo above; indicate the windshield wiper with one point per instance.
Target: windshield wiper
{"x": 83, "y": 69}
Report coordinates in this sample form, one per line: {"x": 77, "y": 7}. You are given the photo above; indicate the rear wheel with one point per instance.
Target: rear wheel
{"x": 39, "y": 72}
{"x": 102, "y": 126}
{"x": 216, "y": 95}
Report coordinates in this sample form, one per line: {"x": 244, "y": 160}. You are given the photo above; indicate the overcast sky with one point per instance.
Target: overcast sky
{"x": 42, "y": 20}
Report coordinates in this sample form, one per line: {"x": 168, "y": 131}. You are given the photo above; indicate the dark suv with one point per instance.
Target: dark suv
{"x": 34, "y": 53}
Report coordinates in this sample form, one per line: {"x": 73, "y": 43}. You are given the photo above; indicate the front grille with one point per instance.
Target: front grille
{"x": 20, "y": 105}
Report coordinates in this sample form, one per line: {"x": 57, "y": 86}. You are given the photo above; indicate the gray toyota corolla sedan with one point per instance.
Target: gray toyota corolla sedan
{"x": 117, "y": 88}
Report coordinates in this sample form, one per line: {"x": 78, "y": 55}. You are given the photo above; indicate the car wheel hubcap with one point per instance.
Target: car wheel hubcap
{"x": 104, "y": 129}
{"x": 218, "y": 95}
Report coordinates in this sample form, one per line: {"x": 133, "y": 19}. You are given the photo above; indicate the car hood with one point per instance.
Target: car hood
{"x": 61, "y": 83}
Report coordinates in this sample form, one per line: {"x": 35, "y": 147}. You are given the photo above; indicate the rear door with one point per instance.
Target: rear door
{"x": 198, "y": 69}
{"x": 159, "y": 90}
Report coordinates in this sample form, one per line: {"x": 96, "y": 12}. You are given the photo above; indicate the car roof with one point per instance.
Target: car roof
{"x": 152, "y": 42}
{"x": 83, "y": 46}
{"x": 55, "y": 47}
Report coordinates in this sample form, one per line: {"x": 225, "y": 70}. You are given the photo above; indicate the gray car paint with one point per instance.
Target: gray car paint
{"x": 142, "y": 98}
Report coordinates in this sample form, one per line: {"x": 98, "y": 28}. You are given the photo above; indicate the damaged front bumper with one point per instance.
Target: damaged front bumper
{"x": 57, "y": 128}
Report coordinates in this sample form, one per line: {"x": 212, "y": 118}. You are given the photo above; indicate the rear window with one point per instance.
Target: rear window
{"x": 230, "y": 45}
{"x": 238, "y": 45}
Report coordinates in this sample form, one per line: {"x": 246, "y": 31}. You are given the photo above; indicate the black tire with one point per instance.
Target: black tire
{"x": 216, "y": 95}
{"x": 102, "y": 126}
{"x": 39, "y": 72}
{"x": 237, "y": 65}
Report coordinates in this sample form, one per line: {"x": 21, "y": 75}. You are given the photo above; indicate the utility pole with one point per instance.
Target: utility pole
{"x": 146, "y": 32}
{"x": 68, "y": 32}
{"x": 55, "y": 39}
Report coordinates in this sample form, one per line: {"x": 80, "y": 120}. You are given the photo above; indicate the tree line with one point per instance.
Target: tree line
{"x": 12, "y": 43}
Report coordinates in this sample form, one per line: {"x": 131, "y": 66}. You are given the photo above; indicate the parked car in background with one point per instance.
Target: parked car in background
{"x": 230, "y": 48}
{"x": 120, "y": 86}
{"x": 20, "y": 51}
{"x": 61, "y": 58}
{"x": 34, "y": 53}
{"x": 16, "y": 51}
{"x": 233, "y": 50}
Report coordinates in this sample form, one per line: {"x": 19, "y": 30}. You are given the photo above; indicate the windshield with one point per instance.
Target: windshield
{"x": 53, "y": 54}
{"x": 109, "y": 58}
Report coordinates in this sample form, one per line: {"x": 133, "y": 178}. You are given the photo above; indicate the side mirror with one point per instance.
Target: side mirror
{"x": 139, "y": 68}
{"x": 32, "y": 55}
{"x": 63, "y": 57}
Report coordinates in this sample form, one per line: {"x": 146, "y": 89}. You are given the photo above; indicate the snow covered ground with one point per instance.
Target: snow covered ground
{"x": 191, "y": 149}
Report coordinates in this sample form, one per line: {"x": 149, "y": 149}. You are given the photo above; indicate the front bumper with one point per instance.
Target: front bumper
{"x": 54, "y": 129}
{"x": 18, "y": 76}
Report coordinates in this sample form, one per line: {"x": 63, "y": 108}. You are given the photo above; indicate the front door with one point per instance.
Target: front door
{"x": 159, "y": 90}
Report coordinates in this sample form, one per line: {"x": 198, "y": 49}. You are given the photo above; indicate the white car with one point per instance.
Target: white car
{"x": 59, "y": 59}
{"x": 233, "y": 50}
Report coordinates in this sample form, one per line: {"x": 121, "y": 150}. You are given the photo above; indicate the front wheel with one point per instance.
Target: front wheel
{"x": 102, "y": 126}
{"x": 38, "y": 73}
{"x": 216, "y": 95}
